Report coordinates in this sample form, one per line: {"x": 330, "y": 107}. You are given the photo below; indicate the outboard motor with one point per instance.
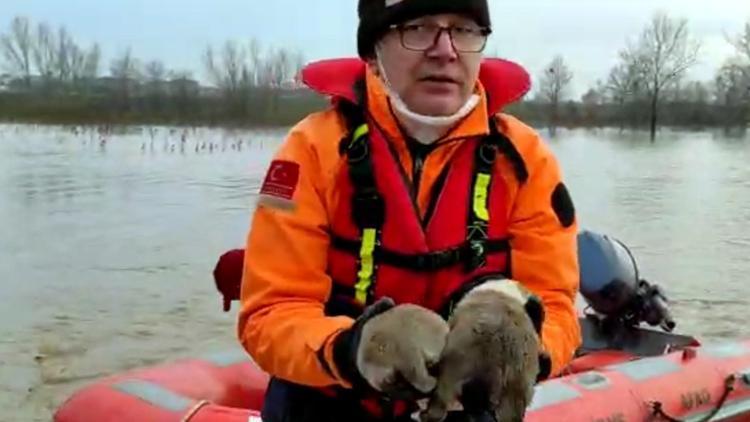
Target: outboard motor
{"x": 611, "y": 284}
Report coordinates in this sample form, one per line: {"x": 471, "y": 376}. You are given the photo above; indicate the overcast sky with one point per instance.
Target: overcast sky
{"x": 588, "y": 33}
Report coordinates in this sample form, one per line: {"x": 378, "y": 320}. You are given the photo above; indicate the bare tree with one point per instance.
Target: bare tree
{"x": 231, "y": 73}
{"x": 743, "y": 47}
{"x": 91, "y": 65}
{"x": 154, "y": 74}
{"x": 254, "y": 55}
{"x": 298, "y": 63}
{"x": 742, "y": 42}
{"x": 284, "y": 67}
{"x": 16, "y": 49}
{"x": 125, "y": 67}
{"x": 69, "y": 56}
{"x": 227, "y": 71}
{"x": 621, "y": 83}
{"x": 663, "y": 54}
{"x": 733, "y": 93}
{"x": 625, "y": 89}
{"x": 266, "y": 70}
{"x": 182, "y": 92}
{"x": 77, "y": 64}
{"x": 126, "y": 70}
{"x": 555, "y": 81}
{"x": 155, "y": 71}
{"x": 45, "y": 51}
{"x": 553, "y": 87}
{"x": 57, "y": 57}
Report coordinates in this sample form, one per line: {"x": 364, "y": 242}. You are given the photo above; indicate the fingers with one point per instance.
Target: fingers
{"x": 377, "y": 308}
{"x": 443, "y": 397}
{"x": 435, "y": 412}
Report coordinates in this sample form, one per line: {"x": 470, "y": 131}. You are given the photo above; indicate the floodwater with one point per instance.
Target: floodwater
{"x": 108, "y": 240}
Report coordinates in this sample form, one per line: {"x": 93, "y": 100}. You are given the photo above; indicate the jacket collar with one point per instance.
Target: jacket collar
{"x": 504, "y": 82}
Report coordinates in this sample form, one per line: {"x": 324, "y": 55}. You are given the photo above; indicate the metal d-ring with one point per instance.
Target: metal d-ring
{"x": 358, "y": 151}
{"x": 487, "y": 153}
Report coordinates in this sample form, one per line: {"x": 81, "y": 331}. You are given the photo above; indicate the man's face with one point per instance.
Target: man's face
{"x": 439, "y": 80}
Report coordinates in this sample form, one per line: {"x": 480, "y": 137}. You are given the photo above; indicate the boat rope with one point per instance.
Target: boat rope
{"x": 194, "y": 410}
{"x": 729, "y": 382}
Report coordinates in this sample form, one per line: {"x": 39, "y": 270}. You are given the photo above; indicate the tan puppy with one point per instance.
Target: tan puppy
{"x": 491, "y": 359}
{"x": 399, "y": 346}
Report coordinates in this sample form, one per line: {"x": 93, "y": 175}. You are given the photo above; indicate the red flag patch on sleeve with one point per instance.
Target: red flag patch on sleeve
{"x": 281, "y": 179}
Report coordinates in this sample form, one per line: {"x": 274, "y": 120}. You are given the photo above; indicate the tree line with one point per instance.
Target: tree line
{"x": 45, "y": 75}
{"x": 648, "y": 85}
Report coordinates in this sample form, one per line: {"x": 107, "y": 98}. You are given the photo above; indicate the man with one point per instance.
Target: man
{"x": 414, "y": 187}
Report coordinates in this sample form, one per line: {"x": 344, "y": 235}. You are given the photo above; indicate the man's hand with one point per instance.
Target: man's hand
{"x": 392, "y": 349}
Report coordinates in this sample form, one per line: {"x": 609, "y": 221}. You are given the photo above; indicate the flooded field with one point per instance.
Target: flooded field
{"x": 108, "y": 240}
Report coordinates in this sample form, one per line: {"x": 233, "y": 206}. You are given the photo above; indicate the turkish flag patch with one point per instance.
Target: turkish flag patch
{"x": 281, "y": 180}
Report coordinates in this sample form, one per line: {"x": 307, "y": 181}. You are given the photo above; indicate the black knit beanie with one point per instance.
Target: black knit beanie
{"x": 375, "y": 16}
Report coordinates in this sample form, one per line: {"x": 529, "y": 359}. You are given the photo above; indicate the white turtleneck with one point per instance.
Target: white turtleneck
{"x": 424, "y": 129}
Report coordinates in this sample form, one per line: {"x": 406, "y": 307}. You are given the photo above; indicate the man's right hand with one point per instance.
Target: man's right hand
{"x": 392, "y": 349}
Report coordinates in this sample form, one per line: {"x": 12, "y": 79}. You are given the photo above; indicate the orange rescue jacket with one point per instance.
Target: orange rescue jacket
{"x": 288, "y": 278}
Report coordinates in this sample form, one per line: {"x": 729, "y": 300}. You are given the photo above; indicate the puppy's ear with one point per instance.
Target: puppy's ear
{"x": 535, "y": 310}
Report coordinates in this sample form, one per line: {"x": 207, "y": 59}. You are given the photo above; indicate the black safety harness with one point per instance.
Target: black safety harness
{"x": 368, "y": 210}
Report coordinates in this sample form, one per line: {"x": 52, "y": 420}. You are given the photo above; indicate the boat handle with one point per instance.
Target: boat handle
{"x": 729, "y": 382}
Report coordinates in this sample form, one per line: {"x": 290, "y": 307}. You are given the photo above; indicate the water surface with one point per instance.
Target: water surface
{"x": 107, "y": 247}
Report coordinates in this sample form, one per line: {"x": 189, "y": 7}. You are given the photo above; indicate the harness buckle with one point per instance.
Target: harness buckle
{"x": 477, "y": 256}
{"x": 487, "y": 154}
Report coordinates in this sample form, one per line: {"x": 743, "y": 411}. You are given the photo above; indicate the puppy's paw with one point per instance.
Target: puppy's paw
{"x": 436, "y": 411}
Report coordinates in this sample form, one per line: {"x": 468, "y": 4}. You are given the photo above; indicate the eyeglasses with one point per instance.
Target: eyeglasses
{"x": 422, "y": 37}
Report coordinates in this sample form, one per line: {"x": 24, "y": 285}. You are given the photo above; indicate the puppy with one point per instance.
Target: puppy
{"x": 491, "y": 359}
{"x": 397, "y": 349}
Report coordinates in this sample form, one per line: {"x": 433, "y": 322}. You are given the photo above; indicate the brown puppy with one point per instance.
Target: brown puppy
{"x": 491, "y": 359}
{"x": 399, "y": 346}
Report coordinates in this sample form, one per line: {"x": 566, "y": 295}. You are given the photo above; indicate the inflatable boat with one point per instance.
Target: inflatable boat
{"x": 631, "y": 366}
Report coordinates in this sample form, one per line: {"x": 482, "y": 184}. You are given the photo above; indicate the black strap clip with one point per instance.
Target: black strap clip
{"x": 368, "y": 209}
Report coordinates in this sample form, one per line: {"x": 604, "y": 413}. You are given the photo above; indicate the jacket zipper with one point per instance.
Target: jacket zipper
{"x": 416, "y": 176}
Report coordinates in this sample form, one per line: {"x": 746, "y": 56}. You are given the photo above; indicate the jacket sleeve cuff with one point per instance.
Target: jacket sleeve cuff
{"x": 328, "y": 357}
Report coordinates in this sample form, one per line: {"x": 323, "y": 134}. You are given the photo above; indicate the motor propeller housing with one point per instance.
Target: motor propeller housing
{"x": 611, "y": 284}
